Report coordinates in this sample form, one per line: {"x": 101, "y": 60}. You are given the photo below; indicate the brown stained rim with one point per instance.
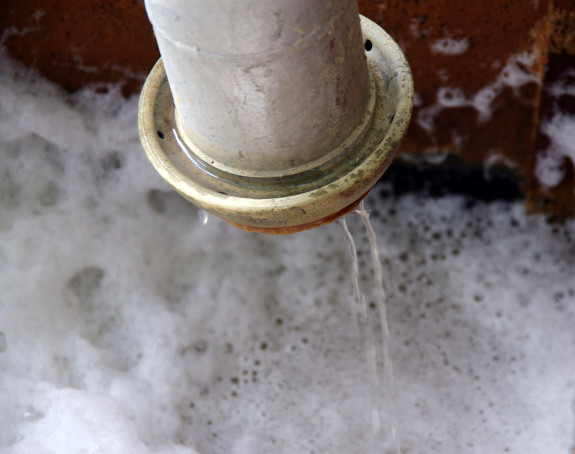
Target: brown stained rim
{"x": 302, "y": 227}
{"x": 295, "y": 202}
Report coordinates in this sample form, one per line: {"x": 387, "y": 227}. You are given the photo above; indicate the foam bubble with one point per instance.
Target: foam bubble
{"x": 130, "y": 326}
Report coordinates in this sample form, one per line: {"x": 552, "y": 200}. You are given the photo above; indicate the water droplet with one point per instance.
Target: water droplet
{"x": 203, "y": 215}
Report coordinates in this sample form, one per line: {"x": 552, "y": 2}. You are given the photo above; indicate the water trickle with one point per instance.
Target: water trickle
{"x": 373, "y": 324}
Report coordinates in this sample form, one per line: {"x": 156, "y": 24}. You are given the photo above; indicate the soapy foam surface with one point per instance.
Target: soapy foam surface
{"x": 129, "y": 326}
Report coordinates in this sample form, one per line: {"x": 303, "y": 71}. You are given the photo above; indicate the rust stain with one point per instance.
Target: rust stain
{"x": 78, "y": 43}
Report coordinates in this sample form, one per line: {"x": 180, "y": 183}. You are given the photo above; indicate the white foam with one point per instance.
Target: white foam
{"x": 513, "y": 75}
{"x": 450, "y": 46}
{"x": 129, "y": 326}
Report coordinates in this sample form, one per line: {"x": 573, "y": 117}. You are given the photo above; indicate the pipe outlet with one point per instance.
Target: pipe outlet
{"x": 275, "y": 116}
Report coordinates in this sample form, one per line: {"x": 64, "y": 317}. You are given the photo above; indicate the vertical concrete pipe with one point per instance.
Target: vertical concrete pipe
{"x": 257, "y": 105}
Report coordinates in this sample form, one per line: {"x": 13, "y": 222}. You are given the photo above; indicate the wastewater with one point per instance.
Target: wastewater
{"x": 372, "y": 320}
{"x": 127, "y": 323}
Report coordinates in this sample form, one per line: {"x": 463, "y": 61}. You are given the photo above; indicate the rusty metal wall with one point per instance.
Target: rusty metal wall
{"x": 457, "y": 48}
{"x": 78, "y": 43}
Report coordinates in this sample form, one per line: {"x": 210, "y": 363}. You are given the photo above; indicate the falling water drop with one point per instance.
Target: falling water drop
{"x": 203, "y": 215}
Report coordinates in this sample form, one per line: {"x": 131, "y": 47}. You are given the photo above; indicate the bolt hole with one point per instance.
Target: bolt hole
{"x": 368, "y": 45}
{"x": 160, "y": 134}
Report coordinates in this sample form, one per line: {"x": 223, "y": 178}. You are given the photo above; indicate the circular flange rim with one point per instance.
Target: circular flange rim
{"x": 390, "y": 70}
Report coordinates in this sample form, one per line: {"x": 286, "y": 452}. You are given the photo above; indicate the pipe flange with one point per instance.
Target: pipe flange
{"x": 289, "y": 202}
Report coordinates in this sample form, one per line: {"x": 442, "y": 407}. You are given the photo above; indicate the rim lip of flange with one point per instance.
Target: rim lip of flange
{"x": 291, "y": 210}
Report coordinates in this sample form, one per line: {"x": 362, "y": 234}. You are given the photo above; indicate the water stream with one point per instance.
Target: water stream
{"x": 372, "y": 320}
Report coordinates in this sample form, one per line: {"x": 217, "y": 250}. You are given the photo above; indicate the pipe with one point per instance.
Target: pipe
{"x": 263, "y": 85}
{"x": 265, "y": 113}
